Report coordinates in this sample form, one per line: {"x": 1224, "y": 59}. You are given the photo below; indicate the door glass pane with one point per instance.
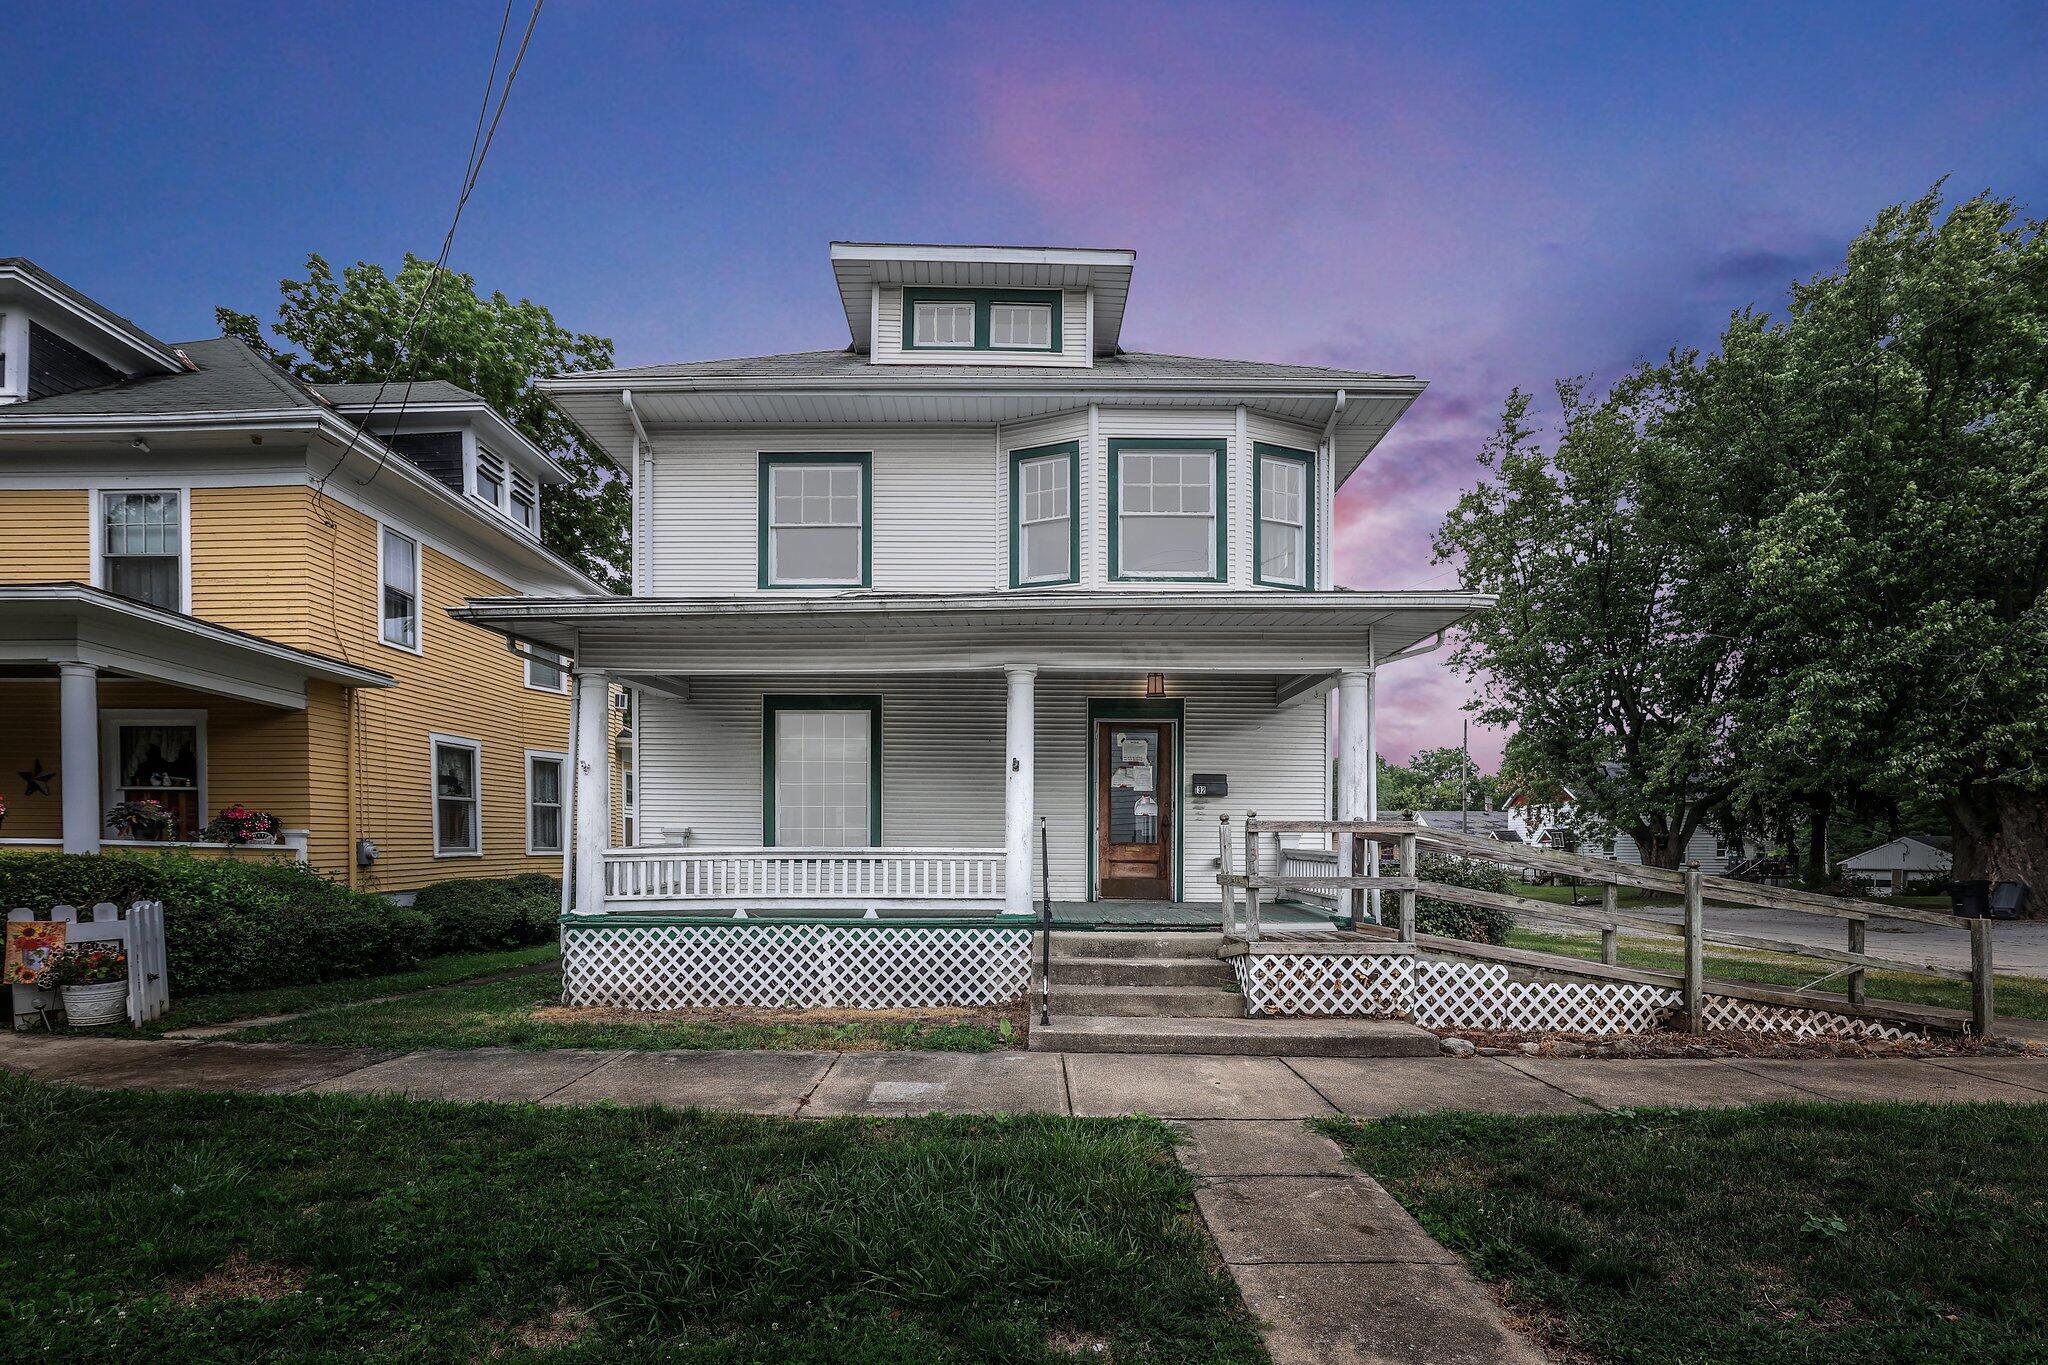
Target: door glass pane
{"x": 1134, "y": 787}
{"x": 821, "y": 779}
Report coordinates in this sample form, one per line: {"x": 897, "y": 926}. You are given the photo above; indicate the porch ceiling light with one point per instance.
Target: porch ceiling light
{"x": 1155, "y": 684}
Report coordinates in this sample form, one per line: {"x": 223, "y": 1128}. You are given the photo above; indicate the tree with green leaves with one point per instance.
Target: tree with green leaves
{"x": 367, "y": 326}
{"x": 1599, "y": 653}
{"x": 1436, "y": 779}
{"x": 1895, "y": 593}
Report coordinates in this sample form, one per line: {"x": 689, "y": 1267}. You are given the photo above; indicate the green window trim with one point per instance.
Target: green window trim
{"x": 772, "y": 706}
{"x": 1217, "y": 446}
{"x": 1142, "y": 708}
{"x": 1071, "y": 451}
{"x": 982, "y": 299}
{"x": 1262, "y": 452}
{"x": 772, "y": 460}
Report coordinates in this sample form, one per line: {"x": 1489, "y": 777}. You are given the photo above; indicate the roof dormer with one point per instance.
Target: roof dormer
{"x": 910, "y": 304}
{"x": 458, "y": 438}
{"x": 54, "y": 340}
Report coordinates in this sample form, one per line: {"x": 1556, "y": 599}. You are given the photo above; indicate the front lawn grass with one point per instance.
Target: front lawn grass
{"x": 188, "y": 1227}
{"x": 503, "y": 1014}
{"x": 226, "y": 1006}
{"x": 2016, "y": 997}
{"x": 1786, "y": 1233}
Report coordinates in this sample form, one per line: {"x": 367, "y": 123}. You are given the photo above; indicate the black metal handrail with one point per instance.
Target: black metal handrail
{"x": 1045, "y": 919}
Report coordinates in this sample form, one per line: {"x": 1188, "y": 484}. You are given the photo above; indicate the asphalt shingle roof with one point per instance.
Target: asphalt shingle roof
{"x": 421, "y": 391}
{"x": 231, "y": 378}
{"x": 847, "y": 364}
{"x": 93, "y": 306}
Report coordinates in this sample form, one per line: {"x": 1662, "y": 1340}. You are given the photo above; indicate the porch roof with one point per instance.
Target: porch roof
{"x": 71, "y": 623}
{"x": 1279, "y": 633}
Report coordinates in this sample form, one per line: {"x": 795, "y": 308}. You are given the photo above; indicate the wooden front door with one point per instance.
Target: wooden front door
{"x": 1134, "y": 810}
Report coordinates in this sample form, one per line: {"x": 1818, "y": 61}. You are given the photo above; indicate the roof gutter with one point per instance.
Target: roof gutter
{"x": 572, "y": 384}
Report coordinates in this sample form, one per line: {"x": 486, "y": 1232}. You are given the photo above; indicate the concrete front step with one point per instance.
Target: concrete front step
{"x": 1148, "y": 1002}
{"x": 1087, "y": 943}
{"x": 1141, "y": 971}
{"x": 1234, "y": 1037}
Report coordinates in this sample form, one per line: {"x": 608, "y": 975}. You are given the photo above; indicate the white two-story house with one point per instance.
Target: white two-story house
{"x": 898, "y": 602}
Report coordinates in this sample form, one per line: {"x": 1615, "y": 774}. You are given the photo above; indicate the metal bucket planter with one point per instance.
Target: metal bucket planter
{"x": 96, "y": 1006}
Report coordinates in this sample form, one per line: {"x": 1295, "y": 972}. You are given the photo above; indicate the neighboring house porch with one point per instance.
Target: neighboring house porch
{"x": 112, "y": 700}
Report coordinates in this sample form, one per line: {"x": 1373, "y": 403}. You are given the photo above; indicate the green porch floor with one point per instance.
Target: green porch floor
{"x": 1185, "y": 915}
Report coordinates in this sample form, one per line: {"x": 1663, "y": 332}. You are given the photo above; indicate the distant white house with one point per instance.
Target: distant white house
{"x": 1539, "y": 823}
{"x": 1910, "y": 857}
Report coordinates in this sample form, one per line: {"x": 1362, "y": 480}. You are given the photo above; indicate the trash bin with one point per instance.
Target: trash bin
{"x": 2008, "y": 900}
{"x": 1971, "y": 900}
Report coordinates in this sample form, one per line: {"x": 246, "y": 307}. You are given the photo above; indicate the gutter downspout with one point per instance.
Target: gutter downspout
{"x": 1326, "y": 551}
{"x": 641, "y": 444}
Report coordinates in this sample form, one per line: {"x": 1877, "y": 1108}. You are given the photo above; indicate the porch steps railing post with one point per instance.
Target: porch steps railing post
{"x": 1695, "y": 953}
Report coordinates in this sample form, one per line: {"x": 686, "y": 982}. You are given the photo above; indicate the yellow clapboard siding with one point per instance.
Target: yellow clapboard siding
{"x": 280, "y": 562}
{"x": 47, "y": 535}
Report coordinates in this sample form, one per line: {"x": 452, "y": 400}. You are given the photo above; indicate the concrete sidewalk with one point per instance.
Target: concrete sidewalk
{"x": 1334, "y": 1267}
{"x": 813, "y": 1085}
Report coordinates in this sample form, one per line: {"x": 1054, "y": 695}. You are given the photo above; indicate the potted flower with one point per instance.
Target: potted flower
{"x": 143, "y": 819}
{"x": 241, "y": 825}
{"x": 93, "y": 978}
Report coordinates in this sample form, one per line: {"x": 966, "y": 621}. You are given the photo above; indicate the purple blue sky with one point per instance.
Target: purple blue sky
{"x": 1485, "y": 195}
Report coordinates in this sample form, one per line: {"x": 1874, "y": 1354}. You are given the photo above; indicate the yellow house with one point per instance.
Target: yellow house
{"x": 222, "y": 587}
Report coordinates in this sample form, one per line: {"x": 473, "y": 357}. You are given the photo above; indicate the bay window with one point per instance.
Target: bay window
{"x": 1044, "y": 532}
{"x": 1167, "y": 509}
{"x": 1283, "y": 550}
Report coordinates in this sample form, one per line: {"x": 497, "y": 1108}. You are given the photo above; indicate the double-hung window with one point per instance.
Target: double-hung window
{"x": 824, "y": 771}
{"x": 1167, "y": 521}
{"x": 142, "y": 547}
{"x": 544, "y": 802}
{"x": 936, "y": 319}
{"x": 399, "y": 569}
{"x": 547, "y": 671}
{"x": 458, "y": 822}
{"x": 1043, "y": 528}
{"x": 1285, "y": 533}
{"x": 814, "y": 521}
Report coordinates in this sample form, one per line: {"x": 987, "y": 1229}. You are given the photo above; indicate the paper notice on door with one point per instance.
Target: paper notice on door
{"x": 1121, "y": 779}
{"x": 1141, "y": 777}
{"x": 1133, "y": 750}
{"x": 1145, "y": 807}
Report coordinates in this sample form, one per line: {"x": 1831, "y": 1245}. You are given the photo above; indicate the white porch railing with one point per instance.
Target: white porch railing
{"x": 647, "y": 877}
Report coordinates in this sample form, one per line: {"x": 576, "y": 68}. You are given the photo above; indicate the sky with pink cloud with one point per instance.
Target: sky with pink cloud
{"x": 1485, "y": 195}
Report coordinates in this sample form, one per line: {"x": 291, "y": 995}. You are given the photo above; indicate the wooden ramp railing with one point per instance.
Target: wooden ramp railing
{"x": 1692, "y": 888}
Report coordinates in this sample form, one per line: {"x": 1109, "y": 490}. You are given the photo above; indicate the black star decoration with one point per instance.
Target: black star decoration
{"x": 35, "y": 779}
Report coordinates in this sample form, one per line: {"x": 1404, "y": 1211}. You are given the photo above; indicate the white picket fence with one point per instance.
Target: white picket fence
{"x": 139, "y": 929}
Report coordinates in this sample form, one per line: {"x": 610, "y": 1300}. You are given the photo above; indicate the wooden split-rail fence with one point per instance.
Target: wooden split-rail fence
{"x": 1690, "y": 887}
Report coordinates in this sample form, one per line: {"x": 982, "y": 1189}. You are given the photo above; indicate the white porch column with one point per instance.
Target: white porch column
{"x": 591, "y": 802}
{"x": 1354, "y": 759}
{"x": 78, "y": 755}
{"x": 1019, "y": 779}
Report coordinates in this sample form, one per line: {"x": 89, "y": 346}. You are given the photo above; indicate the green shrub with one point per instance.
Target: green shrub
{"x": 474, "y": 914}
{"x": 230, "y": 923}
{"x": 1468, "y": 922}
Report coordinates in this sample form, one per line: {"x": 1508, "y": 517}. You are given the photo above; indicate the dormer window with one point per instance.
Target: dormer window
{"x": 1020, "y": 326}
{"x": 940, "y": 323}
{"x": 982, "y": 319}
{"x": 490, "y": 478}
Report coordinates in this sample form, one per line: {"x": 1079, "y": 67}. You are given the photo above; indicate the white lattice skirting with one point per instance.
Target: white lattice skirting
{"x": 1474, "y": 995}
{"x": 797, "y": 966}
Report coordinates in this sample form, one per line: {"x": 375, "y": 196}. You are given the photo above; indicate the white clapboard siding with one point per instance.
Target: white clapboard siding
{"x": 1074, "y": 352}
{"x": 935, "y": 505}
{"x": 700, "y": 762}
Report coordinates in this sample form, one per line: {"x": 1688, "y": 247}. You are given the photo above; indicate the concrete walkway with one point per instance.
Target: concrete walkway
{"x": 1088, "y": 1085}
{"x": 1335, "y": 1269}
